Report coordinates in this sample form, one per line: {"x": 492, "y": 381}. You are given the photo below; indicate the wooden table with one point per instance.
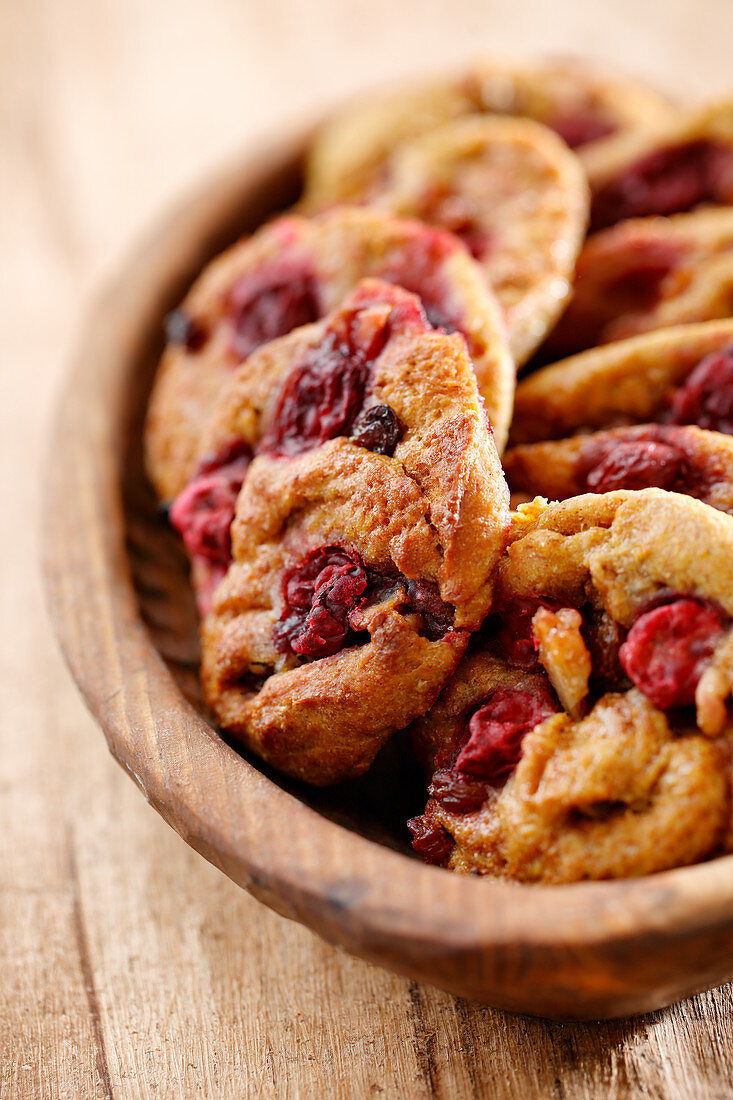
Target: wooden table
{"x": 130, "y": 967}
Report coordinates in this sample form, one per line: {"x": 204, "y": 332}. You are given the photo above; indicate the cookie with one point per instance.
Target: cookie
{"x": 578, "y": 101}
{"x": 645, "y": 274}
{"x": 681, "y": 375}
{"x": 372, "y": 512}
{"x": 673, "y": 168}
{"x": 682, "y": 460}
{"x": 515, "y": 195}
{"x": 587, "y": 736}
{"x": 293, "y": 272}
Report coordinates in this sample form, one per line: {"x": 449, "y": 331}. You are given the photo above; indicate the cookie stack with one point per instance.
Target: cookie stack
{"x": 335, "y": 429}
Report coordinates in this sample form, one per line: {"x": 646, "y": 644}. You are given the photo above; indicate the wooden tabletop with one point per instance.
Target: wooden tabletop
{"x": 128, "y": 966}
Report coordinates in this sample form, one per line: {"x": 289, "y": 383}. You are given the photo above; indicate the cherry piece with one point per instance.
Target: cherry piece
{"x": 513, "y": 638}
{"x": 706, "y": 398}
{"x": 666, "y": 181}
{"x": 630, "y": 464}
{"x": 430, "y": 840}
{"x": 496, "y": 730}
{"x": 457, "y": 793}
{"x": 318, "y": 595}
{"x": 203, "y": 512}
{"x": 322, "y": 397}
{"x": 580, "y": 127}
{"x": 269, "y": 303}
{"x": 666, "y": 650}
{"x": 437, "y": 615}
{"x": 378, "y": 429}
{"x": 181, "y": 328}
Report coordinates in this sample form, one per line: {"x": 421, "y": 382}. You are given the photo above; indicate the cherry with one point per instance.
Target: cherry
{"x": 706, "y": 398}
{"x": 667, "y": 648}
{"x": 318, "y": 594}
{"x": 378, "y": 429}
{"x": 269, "y": 303}
{"x": 496, "y": 731}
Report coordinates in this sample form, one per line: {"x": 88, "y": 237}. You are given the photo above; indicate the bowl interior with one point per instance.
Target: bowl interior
{"x": 379, "y": 803}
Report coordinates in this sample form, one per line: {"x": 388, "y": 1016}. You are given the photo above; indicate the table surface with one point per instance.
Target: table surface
{"x": 129, "y": 966}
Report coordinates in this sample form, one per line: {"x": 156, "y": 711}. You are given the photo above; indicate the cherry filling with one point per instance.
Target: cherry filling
{"x": 378, "y": 429}
{"x": 580, "y": 127}
{"x": 183, "y": 329}
{"x": 636, "y": 463}
{"x": 457, "y": 793}
{"x": 666, "y": 181}
{"x": 323, "y": 396}
{"x": 437, "y": 616}
{"x": 269, "y": 303}
{"x": 456, "y": 214}
{"x": 419, "y": 269}
{"x": 496, "y": 731}
{"x": 318, "y": 595}
{"x": 511, "y": 634}
{"x": 706, "y": 398}
{"x": 203, "y": 512}
{"x": 430, "y": 840}
{"x": 667, "y": 649}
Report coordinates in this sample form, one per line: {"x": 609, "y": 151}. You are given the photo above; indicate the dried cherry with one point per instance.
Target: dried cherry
{"x": 269, "y": 303}
{"x": 203, "y": 512}
{"x": 430, "y": 840}
{"x": 667, "y": 648}
{"x": 378, "y": 429}
{"x": 611, "y": 464}
{"x": 666, "y": 181}
{"x": 319, "y": 592}
{"x": 456, "y": 792}
{"x": 706, "y": 398}
{"x": 496, "y": 731}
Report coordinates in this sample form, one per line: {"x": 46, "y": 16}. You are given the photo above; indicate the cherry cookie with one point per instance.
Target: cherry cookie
{"x": 587, "y": 736}
{"x": 370, "y": 519}
{"x": 516, "y": 196}
{"x": 579, "y": 102}
{"x": 675, "y": 167}
{"x": 293, "y": 272}
{"x": 681, "y": 375}
{"x": 645, "y": 274}
{"x": 683, "y": 460}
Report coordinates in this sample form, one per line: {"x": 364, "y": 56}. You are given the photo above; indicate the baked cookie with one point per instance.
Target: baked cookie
{"x": 587, "y": 736}
{"x": 295, "y": 271}
{"x": 683, "y": 460}
{"x": 580, "y": 102}
{"x": 675, "y": 167}
{"x": 681, "y": 375}
{"x": 648, "y": 273}
{"x": 516, "y": 196}
{"x": 371, "y": 517}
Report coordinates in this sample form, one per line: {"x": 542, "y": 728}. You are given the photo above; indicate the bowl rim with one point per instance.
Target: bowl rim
{"x": 354, "y": 892}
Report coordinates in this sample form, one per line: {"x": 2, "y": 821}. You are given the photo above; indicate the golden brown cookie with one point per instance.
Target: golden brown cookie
{"x": 292, "y": 272}
{"x": 683, "y": 163}
{"x": 680, "y": 375}
{"x": 587, "y": 735}
{"x": 680, "y": 459}
{"x": 367, "y": 529}
{"x": 645, "y": 274}
{"x": 516, "y": 196}
{"x": 580, "y": 102}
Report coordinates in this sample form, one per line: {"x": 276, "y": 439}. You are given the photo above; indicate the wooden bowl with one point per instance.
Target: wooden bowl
{"x": 338, "y": 861}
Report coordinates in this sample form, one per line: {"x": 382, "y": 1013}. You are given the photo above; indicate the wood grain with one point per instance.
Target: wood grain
{"x": 108, "y": 113}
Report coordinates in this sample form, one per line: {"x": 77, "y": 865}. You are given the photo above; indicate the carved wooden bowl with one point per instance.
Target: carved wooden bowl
{"x": 338, "y": 861}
